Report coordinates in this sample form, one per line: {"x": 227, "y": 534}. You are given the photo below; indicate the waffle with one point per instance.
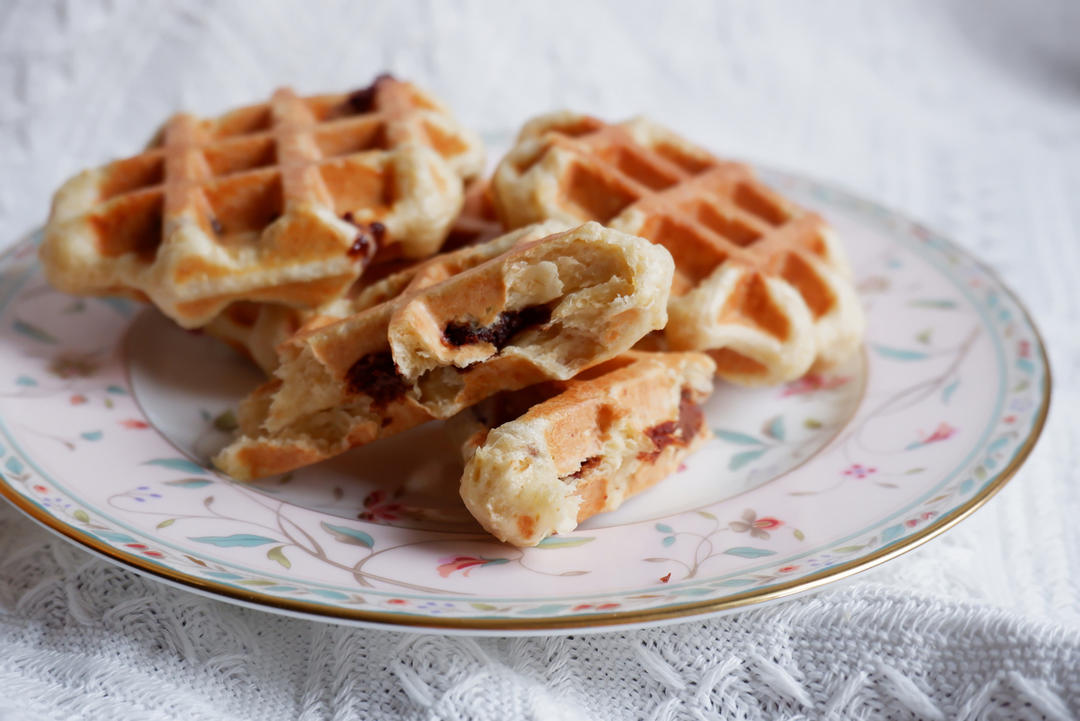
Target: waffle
{"x": 760, "y": 283}
{"x": 282, "y": 202}
{"x": 582, "y": 446}
{"x": 257, "y": 329}
{"x": 541, "y": 311}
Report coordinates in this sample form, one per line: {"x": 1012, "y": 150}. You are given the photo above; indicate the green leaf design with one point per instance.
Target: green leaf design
{"x": 177, "y": 464}
{"x": 564, "y": 541}
{"x": 81, "y": 515}
{"x": 32, "y": 331}
{"x": 348, "y": 535}
{"x": 226, "y": 422}
{"x": 741, "y": 459}
{"x": 934, "y": 303}
{"x": 899, "y": 354}
{"x": 749, "y": 552}
{"x": 706, "y": 514}
{"x": 848, "y": 549}
{"x": 812, "y": 424}
{"x": 277, "y": 553}
{"x": 924, "y": 336}
{"x": 736, "y": 437}
{"x": 799, "y": 535}
{"x": 166, "y": 523}
{"x": 774, "y": 428}
{"x": 483, "y": 606}
{"x": 913, "y": 471}
{"x": 189, "y": 482}
{"x": 236, "y": 539}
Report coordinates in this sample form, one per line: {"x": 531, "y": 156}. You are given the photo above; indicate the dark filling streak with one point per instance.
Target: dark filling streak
{"x": 587, "y": 465}
{"x": 375, "y": 375}
{"x": 677, "y": 432}
{"x": 363, "y": 100}
{"x": 216, "y": 226}
{"x": 508, "y": 324}
{"x": 364, "y": 246}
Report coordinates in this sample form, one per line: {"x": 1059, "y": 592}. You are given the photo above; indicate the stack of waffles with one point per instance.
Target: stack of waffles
{"x": 568, "y": 316}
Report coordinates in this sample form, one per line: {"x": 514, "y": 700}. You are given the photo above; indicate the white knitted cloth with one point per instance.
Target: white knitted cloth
{"x": 964, "y": 114}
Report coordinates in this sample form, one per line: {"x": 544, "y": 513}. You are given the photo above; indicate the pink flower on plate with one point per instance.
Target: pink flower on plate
{"x": 756, "y": 527}
{"x": 376, "y": 508}
{"x": 943, "y": 432}
{"x": 466, "y": 564}
{"x": 858, "y": 471}
{"x": 812, "y": 382}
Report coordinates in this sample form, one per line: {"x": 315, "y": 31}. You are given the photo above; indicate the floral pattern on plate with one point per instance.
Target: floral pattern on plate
{"x": 105, "y": 429}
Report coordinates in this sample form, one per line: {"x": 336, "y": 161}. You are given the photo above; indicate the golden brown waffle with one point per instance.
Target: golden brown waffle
{"x": 541, "y": 311}
{"x": 257, "y": 329}
{"x": 542, "y": 460}
{"x": 760, "y": 283}
{"x": 282, "y": 202}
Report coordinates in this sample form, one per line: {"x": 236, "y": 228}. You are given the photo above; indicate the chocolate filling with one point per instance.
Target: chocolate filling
{"x": 363, "y": 100}
{"x": 364, "y": 245}
{"x": 508, "y": 324}
{"x": 376, "y": 375}
{"x": 677, "y": 432}
{"x": 587, "y": 465}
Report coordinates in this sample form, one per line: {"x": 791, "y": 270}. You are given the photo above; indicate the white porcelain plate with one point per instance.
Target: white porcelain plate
{"x": 108, "y": 415}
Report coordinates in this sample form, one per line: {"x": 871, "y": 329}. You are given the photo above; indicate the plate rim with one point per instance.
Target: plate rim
{"x": 595, "y": 622}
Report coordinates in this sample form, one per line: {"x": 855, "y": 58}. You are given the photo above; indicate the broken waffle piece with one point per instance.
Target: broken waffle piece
{"x": 541, "y": 311}
{"x": 282, "y": 202}
{"x": 257, "y": 329}
{"x": 760, "y": 283}
{"x": 542, "y": 460}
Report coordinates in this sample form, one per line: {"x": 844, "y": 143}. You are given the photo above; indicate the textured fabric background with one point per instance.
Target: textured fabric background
{"x": 963, "y": 114}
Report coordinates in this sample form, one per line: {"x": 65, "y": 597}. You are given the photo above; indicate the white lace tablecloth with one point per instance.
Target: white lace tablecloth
{"x": 963, "y": 114}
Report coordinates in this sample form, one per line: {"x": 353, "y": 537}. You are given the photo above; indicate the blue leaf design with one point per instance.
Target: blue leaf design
{"x": 664, "y": 528}
{"x": 25, "y": 382}
{"x": 967, "y": 485}
{"x": 998, "y": 443}
{"x": 745, "y": 457}
{"x": 116, "y": 390}
{"x": 14, "y": 465}
{"x": 899, "y": 354}
{"x": 91, "y": 435}
{"x": 115, "y": 537}
{"x": 1025, "y": 365}
{"x": 326, "y": 593}
{"x": 32, "y": 331}
{"x": 189, "y": 483}
{"x": 774, "y": 428}
{"x": 891, "y": 533}
{"x": 121, "y": 305}
{"x": 748, "y": 552}
{"x": 224, "y": 575}
{"x": 348, "y": 535}
{"x": 236, "y": 539}
{"x": 696, "y": 591}
{"x": 668, "y": 540}
{"x": 735, "y": 582}
{"x": 949, "y": 390}
{"x": 736, "y": 437}
{"x": 177, "y": 464}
